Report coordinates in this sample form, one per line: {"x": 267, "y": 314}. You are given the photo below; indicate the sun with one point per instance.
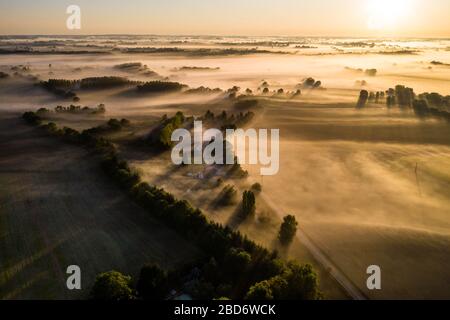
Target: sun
{"x": 387, "y": 14}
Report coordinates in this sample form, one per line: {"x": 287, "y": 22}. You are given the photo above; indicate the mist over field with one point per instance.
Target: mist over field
{"x": 368, "y": 186}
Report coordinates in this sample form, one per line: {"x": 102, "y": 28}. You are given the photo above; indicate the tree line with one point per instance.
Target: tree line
{"x": 424, "y": 105}
{"x": 234, "y": 266}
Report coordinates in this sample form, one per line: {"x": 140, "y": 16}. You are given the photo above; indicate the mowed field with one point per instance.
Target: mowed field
{"x": 58, "y": 209}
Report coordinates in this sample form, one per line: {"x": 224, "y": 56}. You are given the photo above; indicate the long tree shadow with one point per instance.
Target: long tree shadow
{"x": 237, "y": 218}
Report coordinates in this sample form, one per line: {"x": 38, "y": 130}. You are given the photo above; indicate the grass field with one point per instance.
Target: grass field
{"x": 349, "y": 177}
{"x": 58, "y": 209}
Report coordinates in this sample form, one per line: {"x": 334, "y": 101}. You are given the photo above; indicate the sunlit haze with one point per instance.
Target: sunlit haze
{"x": 413, "y": 18}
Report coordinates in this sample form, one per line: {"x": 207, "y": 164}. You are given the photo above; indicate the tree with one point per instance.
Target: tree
{"x": 302, "y": 283}
{"x": 309, "y": 83}
{"x": 152, "y": 283}
{"x": 236, "y": 261}
{"x": 114, "y": 124}
{"x": 404, "y": 96}
{"x": 257, "y": 187}
{"x": 371, "y": 72}
{"x": 296, "y": 282}
{"x": 288, "y": 230}
{"x": 32, "y": 118}
{"x": 166, "y": 135}
{"x": 420, "y": 108}
{"x": 112, "y": 285}
{"x": 248, "y": 203}
{"x": 228, "y": 195}
{"x": 260, "y": 291}
{"x": 363, "y": 96}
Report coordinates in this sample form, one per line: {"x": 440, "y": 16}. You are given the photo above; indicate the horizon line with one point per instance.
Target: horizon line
{"x": 217, "y": 35}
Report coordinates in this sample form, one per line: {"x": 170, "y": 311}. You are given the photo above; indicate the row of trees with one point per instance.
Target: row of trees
{"x": 66, "y": 88}
{"x": 401, "y": 96}
{"x": 234, "y": 263}
{"x": 86, "y": 138}
{"x": 154, "y": 283}
{"x": 75, "y": 109}
{"x": 311, "y": 83}
{"x": 424, "y": 105}
{"x": 423, "y": 110}
{"x": 160, "y": 87}
{"x": 227, "y": 248}
{"x": 160, "y": 136}
{"x": 106, "y": 82}
{"x": 371, "y": 97}
{"x": 61, "y": 88}
{"x": 203, "y": 90}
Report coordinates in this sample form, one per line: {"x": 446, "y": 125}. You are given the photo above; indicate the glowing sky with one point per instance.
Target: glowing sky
{"x": 414, "y": 18}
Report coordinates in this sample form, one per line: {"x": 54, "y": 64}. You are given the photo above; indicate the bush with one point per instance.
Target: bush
{"x": 112, "y": 286}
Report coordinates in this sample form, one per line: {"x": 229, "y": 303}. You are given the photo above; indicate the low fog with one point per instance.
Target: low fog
{"x": 367, "y": 186}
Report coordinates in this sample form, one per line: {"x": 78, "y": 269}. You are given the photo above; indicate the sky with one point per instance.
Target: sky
{"x": 346, "y": 18}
